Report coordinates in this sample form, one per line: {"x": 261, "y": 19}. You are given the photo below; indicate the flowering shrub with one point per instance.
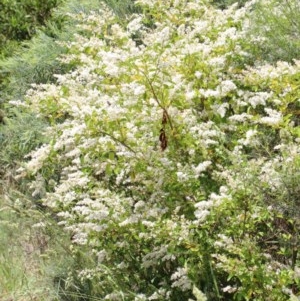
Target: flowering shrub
{"x": 172, "y": 163}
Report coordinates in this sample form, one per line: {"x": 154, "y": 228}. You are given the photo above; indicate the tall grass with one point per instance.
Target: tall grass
{"x": 30, "y": 253}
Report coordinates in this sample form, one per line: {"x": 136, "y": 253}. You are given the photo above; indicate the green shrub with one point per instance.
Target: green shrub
{"x": 275, "y": 30}
{"x": 19, "y": 19}
{"x": 19, "y": 135}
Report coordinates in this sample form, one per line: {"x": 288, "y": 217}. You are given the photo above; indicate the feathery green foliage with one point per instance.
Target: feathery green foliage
{"x": 20, "y": 134}
{"x": 19, "y": 19}
{"x": 276, "y": 23}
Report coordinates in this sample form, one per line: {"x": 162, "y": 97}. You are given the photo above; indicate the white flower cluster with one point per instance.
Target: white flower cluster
{"x": 181, "y": 280}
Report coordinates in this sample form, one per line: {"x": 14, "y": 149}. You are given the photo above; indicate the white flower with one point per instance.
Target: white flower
{"x": 198, "y": 74}
{"x": 39, "y": 225}
{"x": 221, "y": 109}
{"x": 259, "y": 98}
{"x": 227, "y": 86}
{"x": 201, "y": 167}
{"x": 229, "y": 289}
{"x": 198, "y": 294}
{"x": 164, "y": 35}
{"x": 250, "y": 138}
{"x": 240, "y": 117}
{"x": 140, "y": 297}
{"x": 201, "y": 214}
{"x": 274, "y": 117}
{"x": 80, "y": 238}
{"x": 217, "y": 62}
{"x": 139, "y": 206}
{"x": 181, "y": 280}
{"x": 139, "y": 89}
{"x": 37, "y": 158}
{"x": 135, "y": 24}
{"x": 101, "y": 256}
{"x": 204, "y": 205}
{"x": 210, "y": 93}
{"x": 190, "y": 95}
{"x": 181, "y": 176}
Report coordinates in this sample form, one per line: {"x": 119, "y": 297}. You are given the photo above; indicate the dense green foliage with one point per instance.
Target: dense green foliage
{"x": 172, "y": 165}
{"x": 19, "y": 19}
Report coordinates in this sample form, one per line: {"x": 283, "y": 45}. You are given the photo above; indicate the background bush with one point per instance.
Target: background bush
{"x": 275, "y": 30}
{"x": 19, "y": 19}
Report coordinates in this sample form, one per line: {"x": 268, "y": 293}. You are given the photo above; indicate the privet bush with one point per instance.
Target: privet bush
{"x": 172, "y": 164}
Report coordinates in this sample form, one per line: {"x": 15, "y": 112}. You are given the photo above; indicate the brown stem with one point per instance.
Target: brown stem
{"x": 158, "y": 102}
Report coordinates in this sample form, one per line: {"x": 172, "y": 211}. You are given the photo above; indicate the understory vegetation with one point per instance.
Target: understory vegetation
{"x": 150, "y": 150}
